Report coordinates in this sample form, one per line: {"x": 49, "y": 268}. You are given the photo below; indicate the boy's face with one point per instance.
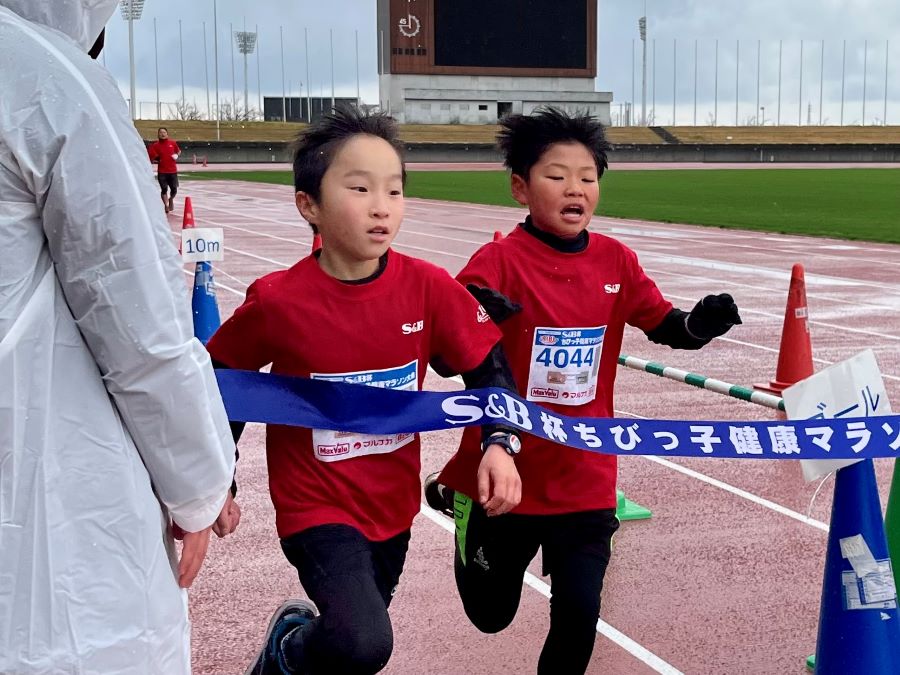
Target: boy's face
{"x": 562, "y": 189}
{"x": 360, "y": 203}
{"x": 162, "y": 134}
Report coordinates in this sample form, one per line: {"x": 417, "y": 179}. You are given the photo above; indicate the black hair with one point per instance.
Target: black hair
{"x": 162, "y": 129}
{"x": 97, "y": 47}
{"x": 523, "y": 139}
{"x": 317, "y": 145}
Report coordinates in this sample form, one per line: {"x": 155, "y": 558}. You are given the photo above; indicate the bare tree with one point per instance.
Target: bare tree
{"x": 187, "y": 111}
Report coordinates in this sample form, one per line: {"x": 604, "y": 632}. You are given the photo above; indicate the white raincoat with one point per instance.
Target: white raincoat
{"x": 108, "y": 406}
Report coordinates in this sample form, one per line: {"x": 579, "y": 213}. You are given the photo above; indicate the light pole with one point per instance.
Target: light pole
{"x": 283, "y": 96}
{"x": 258, "y": 77}
{"x": 642, "y": 27}
{"x": 233, "y": 90}
{"x": 206, "y": 71}
{"x": 216, "y": 66}
{"x": 246, "y": 43}
{"x": 181, "y": 59}
{"x": 131, "y": 11}
{"x": 156, "y": 61}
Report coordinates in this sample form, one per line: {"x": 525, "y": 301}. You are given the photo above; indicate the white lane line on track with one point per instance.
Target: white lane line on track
{"x": 768, "y": 289}
{"x": 726, "y": 339}
{"x": 715, "y": 482}
{"x": 698, "y": 238}
{"x": 616, "y": 636}
{"x": 757, "y": 271}
{"x": 749, "y": 496}
{"x": 780, "y": 317}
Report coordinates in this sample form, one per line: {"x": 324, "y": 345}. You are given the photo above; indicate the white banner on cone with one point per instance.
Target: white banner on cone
{"x": 851, "y": 388}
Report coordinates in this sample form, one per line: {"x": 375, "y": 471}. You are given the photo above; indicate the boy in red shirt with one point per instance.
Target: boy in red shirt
{"x": 356, "y": 311}
{"x": 165, "y": 152}
{"x": 562, "y": 297}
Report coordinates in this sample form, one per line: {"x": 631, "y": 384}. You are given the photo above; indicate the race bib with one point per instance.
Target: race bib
{"x": 564, "y": 365}
{"x": 334, "y": 446}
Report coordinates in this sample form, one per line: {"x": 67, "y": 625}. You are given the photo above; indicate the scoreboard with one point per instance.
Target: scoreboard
{"x": 549, "y": 38}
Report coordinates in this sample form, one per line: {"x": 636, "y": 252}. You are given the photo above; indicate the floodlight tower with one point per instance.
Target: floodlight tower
{"x": 131, "y": 12}
{"x": 246, "y": 43}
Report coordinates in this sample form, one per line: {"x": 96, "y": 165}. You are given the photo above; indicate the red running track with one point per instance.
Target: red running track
{"x": 727, "y": 574}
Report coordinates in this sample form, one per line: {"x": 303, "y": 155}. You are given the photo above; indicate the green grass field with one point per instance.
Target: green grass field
{"x": 861, "y": 204}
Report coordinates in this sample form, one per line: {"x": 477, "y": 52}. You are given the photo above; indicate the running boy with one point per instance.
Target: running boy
{"x": 555, "y": 277}
{"x": 356, "y": 311}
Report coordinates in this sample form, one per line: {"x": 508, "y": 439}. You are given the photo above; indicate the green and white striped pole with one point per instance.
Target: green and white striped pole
{"x": 703, "y": 382}
{"x": 627, "y": 509}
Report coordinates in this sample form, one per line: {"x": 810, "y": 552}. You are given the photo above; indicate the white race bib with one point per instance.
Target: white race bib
{"x": 333, "y": 446}
{"x": 564, "y": 365}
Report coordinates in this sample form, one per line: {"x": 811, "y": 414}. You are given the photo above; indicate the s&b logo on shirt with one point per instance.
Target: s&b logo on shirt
{"x": 612, "y": 288}
{"x": 482, "y": 316}
{"x": 410, "y": 328}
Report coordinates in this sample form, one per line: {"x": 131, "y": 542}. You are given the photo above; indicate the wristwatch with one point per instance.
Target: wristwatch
{"x": 508, "y": 441}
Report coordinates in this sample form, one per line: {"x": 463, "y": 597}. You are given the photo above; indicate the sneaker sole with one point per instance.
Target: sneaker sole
{"x": 274, "y": 620}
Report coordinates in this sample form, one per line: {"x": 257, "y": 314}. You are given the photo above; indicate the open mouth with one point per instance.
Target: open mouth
{"x": 379, "y": 232}
{"x": 573, "y": 211}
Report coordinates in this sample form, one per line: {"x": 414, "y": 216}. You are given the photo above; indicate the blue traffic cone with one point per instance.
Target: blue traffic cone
{"x": 859, "y": 625}
{"x": 203, "y": 303}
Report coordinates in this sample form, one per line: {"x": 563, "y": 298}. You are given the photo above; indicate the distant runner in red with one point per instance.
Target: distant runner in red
{"x": 164, "y": 152}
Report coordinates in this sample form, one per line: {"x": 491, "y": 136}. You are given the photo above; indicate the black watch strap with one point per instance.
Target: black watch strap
{"x": 505, "y": 439}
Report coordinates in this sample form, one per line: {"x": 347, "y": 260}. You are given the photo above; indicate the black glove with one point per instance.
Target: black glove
{"x": 713, "y": 316}
{"x": 497, "y": 305}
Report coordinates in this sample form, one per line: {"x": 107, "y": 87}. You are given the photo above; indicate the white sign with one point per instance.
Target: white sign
{"x": 201, "y": 244}
{"x": 852, "y": 388}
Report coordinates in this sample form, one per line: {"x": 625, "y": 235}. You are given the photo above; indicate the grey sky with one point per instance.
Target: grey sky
{"x": 768, "y": 21}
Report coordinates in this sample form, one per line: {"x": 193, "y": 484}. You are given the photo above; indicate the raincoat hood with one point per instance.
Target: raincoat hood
{"x": 81, "y": 20}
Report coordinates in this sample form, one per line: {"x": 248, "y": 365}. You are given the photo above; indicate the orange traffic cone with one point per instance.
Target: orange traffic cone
{"x": 795, "y": 354}
{"x": 498, "y": 235}
{"x": 188, "y": 220}
{"x": 317, "y": 243}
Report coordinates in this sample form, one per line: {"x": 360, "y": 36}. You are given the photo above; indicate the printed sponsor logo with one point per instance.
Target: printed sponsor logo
{"x": 410, "y": 328}
{"x": 482, "y": 316}
{"x": 548, "y": 339}
{"x": 333, "y": 450}
{"x": 578, "y": 395}
{"x": 544, "y": 392}
{"x": 612, "y": 288}
{"x": 480, "y": 560}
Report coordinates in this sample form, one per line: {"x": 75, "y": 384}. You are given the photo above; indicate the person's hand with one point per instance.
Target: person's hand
{"x": 228, "y": 519}
{"x": 497, "y": 305}
{"x": 175, "y": 156}
{"x": 713, "y": 316}
{"x": 193, "y": 553}
{"x": 499, "y": 484}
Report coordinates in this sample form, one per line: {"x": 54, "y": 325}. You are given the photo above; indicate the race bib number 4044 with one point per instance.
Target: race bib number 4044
{"x": 333, "y": 446}
{"x": 564, "y": 365}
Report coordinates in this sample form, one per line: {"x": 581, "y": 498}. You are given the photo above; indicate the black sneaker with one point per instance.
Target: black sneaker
{"x": 292, "y": 615}
{"x": 438, "y": 496}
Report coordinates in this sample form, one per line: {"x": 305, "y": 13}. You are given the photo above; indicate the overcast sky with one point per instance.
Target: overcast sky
{"x": 761, "y": 21}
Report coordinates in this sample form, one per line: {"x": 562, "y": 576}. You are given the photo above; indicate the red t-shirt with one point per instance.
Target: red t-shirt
{"x": 563, "y": 349}
{"x": 381, "y": 333}
{"x": 163, "y": 151}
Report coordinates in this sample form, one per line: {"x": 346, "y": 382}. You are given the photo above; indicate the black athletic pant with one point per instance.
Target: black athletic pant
{"x": 351, "y": 580}
{"x": 168, "y": 183}
{"x": 492, "y": 555}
